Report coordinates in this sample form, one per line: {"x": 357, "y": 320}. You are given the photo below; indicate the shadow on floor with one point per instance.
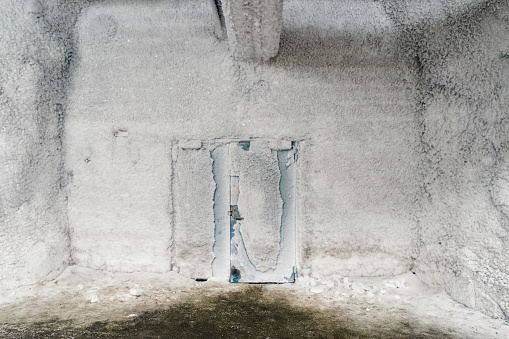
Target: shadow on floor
{"x": 248, "y": 313}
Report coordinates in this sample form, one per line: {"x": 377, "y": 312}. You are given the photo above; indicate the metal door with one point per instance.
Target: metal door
{"x": 262, "y": 180}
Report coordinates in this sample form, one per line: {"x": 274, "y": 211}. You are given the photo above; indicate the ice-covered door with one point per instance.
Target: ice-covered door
{"x": 262, "y": 177}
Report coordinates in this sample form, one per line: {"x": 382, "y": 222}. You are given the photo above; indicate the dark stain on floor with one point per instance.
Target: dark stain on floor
{"x": 248, "y": 313}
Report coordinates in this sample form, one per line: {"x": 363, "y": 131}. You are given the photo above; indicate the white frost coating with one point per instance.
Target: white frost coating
{"x": 355, "y": 265}
{"x": 221, "y": 171}
{"x": 243, "y": 269}
{"x": 351, "y": 16}
{"x": 119, "y": 198}
{"x": 34, "y": 242}
{"x": 134, "y": 73}
{"x": 500, "y": 191}
{"x": 253, "y": 28}
{"x": 403, "y": 105}
{"x": 260, "y": 202}
{"x": 194, "y": 222}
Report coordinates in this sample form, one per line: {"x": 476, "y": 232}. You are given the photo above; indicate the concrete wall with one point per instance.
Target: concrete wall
{"x": 400, "y": 109}
{"x": 35, "y": 52}
{"x": 336, "y": 84}
{"x": 159, "y": 80}
{"x": 459, "y": 52}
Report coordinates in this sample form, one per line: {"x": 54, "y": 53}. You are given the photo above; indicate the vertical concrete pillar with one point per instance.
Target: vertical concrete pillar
{"x": 253, "y": 28}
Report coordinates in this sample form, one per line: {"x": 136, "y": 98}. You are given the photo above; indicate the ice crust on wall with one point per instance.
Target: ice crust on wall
{"x": 353, "y": 82}
{"x": 461, "y": 71}
{"x": 253, "y": 28}
{"x": 119, "y": 208}
{"x": 194, "y": 221}
{"x": 260, "y": 202}
{"x": 136, "y": 66}
{"x": 36, "y": 49}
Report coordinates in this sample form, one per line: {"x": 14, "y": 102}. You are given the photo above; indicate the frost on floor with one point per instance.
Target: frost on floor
{"x": 86, "y": 296}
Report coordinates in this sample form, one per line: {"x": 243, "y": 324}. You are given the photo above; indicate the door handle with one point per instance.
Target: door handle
{"x": 234, "y": 212}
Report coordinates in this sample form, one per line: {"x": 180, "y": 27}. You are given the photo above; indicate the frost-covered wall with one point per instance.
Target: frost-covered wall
{"x": 155, "y": 75}
{"x": 254, "y": 28}
{"x": 35, "y": 52}
{"x": 400, "y": 110}
{"x": 149, "y": 75}
{"x": 459, "y": 51}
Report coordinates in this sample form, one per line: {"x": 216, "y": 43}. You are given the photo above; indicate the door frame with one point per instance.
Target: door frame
{"x": 220, "y": 154}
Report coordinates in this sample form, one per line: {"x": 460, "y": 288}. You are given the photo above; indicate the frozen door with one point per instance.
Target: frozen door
{"x": 262, "y": 212}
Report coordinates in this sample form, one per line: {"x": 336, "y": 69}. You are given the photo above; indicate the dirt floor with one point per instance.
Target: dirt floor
{"x": 84, "y": 303}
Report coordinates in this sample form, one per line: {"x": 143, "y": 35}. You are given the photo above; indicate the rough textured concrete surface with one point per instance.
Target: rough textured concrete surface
{"x": 35, "y": 54}
{"x": 118, "y": 206}
{"x": 459, "y": 54}
{"x": 253, "y": 28}
{"x": 171, "y": 77}
{"x": 399, "y": 108}
{"x": 194, "y": 214}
